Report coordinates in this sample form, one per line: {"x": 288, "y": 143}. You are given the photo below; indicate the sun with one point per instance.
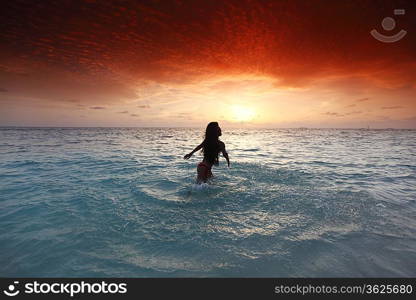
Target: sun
{"x": 242, "y": 113}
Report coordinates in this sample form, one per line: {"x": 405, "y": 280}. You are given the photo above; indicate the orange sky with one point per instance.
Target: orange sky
{"x": 185, "y": 63}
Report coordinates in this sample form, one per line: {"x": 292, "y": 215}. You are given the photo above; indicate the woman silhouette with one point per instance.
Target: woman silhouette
{"x": 211, "y": 146}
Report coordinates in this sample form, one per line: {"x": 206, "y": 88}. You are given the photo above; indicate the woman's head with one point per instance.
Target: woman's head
{"x": 211, "y": 147}
{"x": 213, "y": 131}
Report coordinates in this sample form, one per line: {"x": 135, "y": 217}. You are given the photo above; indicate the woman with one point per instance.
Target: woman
{"x": 211, "y": 147}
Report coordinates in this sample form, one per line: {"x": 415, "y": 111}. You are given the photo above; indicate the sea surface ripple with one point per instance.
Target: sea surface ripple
{"x": 122, "y": 202}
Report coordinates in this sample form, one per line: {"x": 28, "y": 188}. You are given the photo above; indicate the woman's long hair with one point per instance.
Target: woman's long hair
{"x": 211, "y": 146}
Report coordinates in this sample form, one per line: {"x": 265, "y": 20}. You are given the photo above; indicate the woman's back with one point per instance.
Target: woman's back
{"x": 211, "y": 149}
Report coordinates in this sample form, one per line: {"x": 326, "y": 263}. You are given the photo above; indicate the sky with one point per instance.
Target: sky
{"x": 250, "y": 64}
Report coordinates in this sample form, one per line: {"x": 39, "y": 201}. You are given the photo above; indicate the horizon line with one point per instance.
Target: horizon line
{"x": 198, "y": 127}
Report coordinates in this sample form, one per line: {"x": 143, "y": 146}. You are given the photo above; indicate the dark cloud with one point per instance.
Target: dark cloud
{"x": 180, "y": 41}
{"x": 351, "y": 105}
{"x": 353, "y": 113}
{"x": 2, "y": 90}
{"x": 363, "y": 99}
{"x": 144, "y": 106}
{"x": 333, "y": 114}
{"x": 97, "y": 107}
{"x": 134, "y": 115}
{"x": 123, "y": 112}
{"x": 391, "y": 107}
{"x": 187, "y": 116}
{"x": 71, "y": 100}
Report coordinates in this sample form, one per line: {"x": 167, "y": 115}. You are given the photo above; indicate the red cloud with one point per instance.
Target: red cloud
{"x": 176, "y": 41}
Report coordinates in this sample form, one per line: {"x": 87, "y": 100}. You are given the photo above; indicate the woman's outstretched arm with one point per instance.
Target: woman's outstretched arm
{"x": 193, "y": 151}
{"x": 225, "y": 154}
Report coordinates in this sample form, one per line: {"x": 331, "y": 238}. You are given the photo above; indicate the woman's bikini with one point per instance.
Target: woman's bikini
{"x": 204, "y": 171}
{"x": 207, "y": 169}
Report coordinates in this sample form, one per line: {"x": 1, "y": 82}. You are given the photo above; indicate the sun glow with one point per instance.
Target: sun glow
{"x": 242, "y": 113}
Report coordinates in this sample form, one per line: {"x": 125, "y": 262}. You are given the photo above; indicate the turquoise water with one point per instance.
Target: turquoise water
{"x": 122, "y": 203}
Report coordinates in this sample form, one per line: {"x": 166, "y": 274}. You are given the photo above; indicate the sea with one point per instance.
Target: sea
{"x": 122, "y": 202}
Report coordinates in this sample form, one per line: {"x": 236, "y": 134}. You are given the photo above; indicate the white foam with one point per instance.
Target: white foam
{"x": 200, "y": 186}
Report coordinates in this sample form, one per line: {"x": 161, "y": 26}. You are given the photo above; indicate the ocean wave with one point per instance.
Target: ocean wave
{"x": 113, "y": 205}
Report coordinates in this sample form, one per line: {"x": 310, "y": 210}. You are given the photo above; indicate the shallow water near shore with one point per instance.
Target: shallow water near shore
{"x": 122, "y": 202}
